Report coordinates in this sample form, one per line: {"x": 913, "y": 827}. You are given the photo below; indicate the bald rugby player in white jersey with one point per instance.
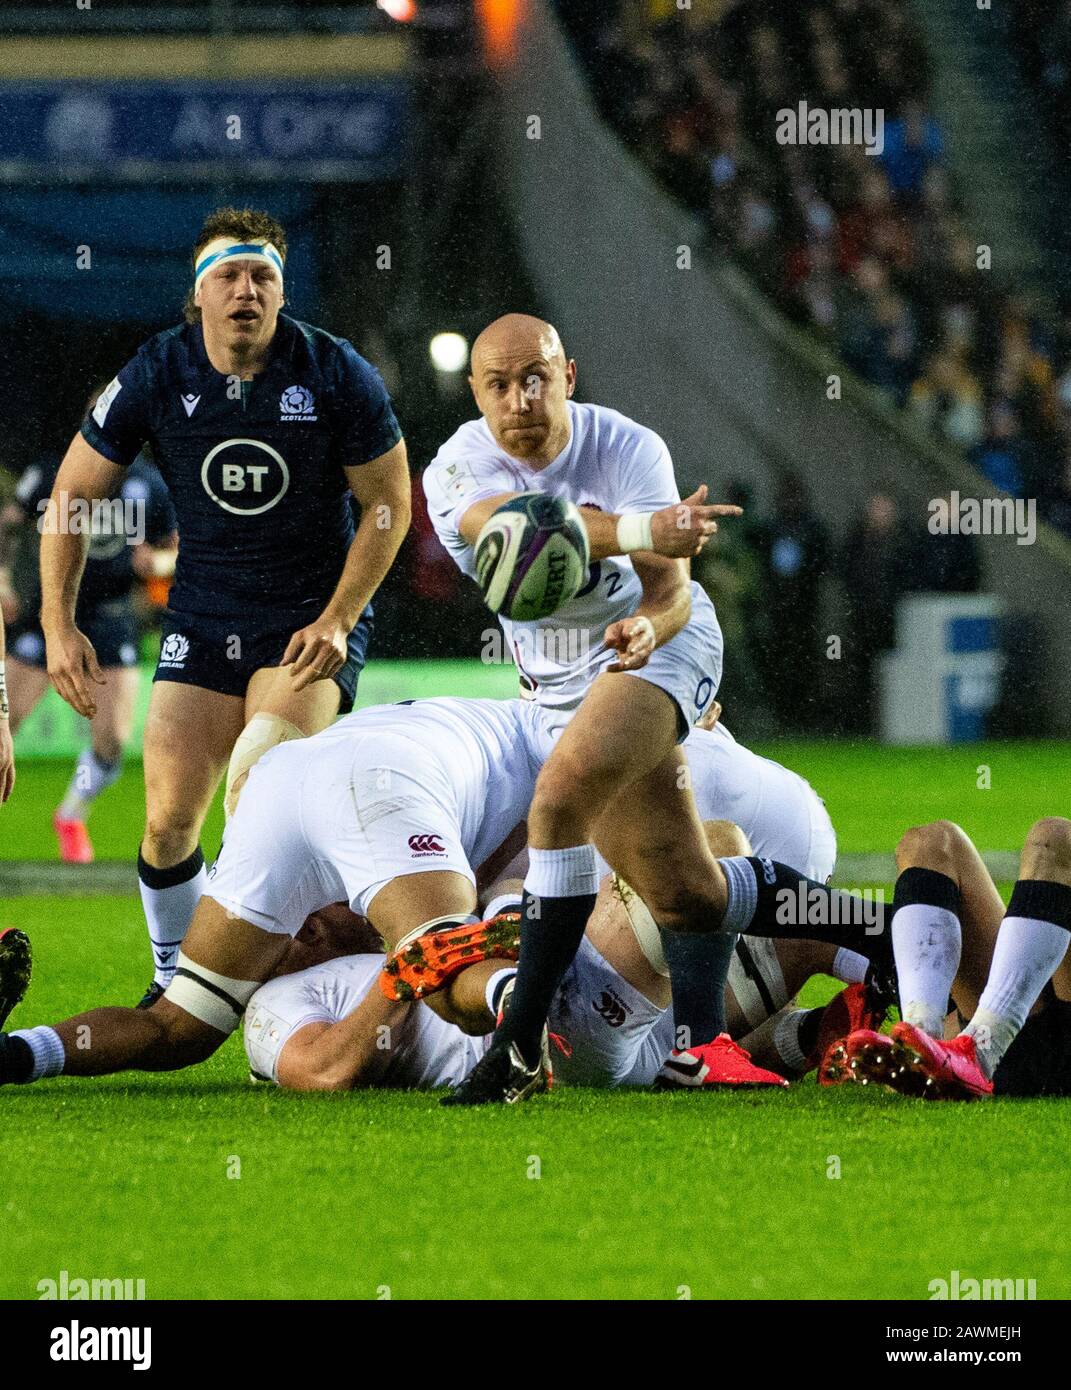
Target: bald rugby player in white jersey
{"x": 619, "y": 674}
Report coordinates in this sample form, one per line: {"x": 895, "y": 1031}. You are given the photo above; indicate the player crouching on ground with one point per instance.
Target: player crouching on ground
{"x": 945, "y": 904}
{"x": 385, "y": 810}
{"x": 328, "y": 1027}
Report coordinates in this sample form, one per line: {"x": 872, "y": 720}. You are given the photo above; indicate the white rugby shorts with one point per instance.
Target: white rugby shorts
{"x": 325, "y": 821}
{"x": 687, "y": 667}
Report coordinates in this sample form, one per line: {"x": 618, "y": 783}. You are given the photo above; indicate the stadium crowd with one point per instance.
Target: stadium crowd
{"x": 873, "y": 254}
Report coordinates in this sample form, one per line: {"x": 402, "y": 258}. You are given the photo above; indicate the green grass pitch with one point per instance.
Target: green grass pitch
{"x": 206, "y": 1186}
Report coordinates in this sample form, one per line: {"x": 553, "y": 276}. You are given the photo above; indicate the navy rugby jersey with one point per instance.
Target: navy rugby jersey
{"x": 264, "y": 508}
{"x": 147, "y": 515}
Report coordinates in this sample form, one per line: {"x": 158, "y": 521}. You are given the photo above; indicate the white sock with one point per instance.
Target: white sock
{"x": 47, "y": 1049}
{"x": 505, "y": 902}
{"x": 786, "y": 1039}
{"x": 1027, "y": 952}
{"x": 926, "y": 945}
{"x": 562, "y": 873}
{"x": 169, "y": 897}
{"x": 91, "y": 777}
{"x": 849, "y": 966}
{"x": 493, "y": 984}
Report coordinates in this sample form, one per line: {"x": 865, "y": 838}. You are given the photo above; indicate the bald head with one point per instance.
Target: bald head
{"x": 522, "y": 382}
{"x": 517, "y": 333}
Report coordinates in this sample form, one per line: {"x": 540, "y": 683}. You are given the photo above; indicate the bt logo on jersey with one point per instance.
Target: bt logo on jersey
{"x": 245, "y": 476}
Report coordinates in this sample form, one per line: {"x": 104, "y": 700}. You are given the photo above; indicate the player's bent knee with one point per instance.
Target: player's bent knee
{"x": 108, "y": 748}
{"x": 726, "y": 839}
{"x": 215, "y": 1002}
{"x": 931, "y": 846}
{"x": 1047, "y": 851}
{"x": 262, "y": 733}
{"x": 170, "y": 838}
{"x": 563, "y": 797}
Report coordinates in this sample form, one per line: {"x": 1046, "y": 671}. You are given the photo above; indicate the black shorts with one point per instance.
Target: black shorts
{"x": 1038, "y": 1063}
{"x": 222, "y": 654}
{"x": 111, "y": 627}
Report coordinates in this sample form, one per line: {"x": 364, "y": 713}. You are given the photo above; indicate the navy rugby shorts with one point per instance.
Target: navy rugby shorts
{"x": 221, "y": 653}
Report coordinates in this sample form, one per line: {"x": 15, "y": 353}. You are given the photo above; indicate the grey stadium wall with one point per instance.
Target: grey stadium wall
{"x": 701, "y": 357}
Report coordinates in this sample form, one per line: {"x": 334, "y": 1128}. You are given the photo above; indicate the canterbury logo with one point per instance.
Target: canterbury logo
{"x": 426, "y": 844}
{"x": 608, "y": 1008}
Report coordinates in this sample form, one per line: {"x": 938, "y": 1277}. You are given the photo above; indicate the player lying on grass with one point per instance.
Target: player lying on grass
{"x": 949, "y": 923}
{"x": 611, "y": 1006}
{"x": 386, "y": 810}
{"x": 327, "y": 1026}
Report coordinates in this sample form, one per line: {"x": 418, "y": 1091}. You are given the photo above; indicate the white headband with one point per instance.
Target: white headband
{"x": 226, "y": 248}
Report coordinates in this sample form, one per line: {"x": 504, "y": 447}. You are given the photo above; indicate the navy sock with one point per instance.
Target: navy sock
{"x": 926, "y": 886}
{"x": 770, "y": 899}
{"x": 698, "y": 969}
{"x": 16, "y": 1060}
{"x": 551, "y": 932}
{"x": 808, "y": 1030}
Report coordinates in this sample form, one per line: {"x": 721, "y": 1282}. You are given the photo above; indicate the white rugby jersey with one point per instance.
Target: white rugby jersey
{"x": 474, "y": 755}
{"x": 778, "y": 810}
{"x": 610, "y": 463}
{"x": 425, "y": 1051}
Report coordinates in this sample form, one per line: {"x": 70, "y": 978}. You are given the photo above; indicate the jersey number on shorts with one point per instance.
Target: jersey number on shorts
{"x": 594, "y": 575}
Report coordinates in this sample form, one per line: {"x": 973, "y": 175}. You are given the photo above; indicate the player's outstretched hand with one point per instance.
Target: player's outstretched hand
{"x": 683, "y": 530}
{"x": 317, "y": 651}
{"x": 7, "y": 762}
{"x": 73, "y": 668}
{"x": 634, "y": 638}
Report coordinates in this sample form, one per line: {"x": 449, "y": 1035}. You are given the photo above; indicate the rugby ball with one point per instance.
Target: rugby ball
{"x": 531, "y": 556}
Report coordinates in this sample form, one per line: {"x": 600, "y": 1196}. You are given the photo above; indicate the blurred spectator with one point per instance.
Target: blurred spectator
{"x": 793, "y": 550}
{"x": 877, "y": 566}
{"x": 912, "y": 147}
{"x": 999, "y": 454}
{"x": 948, "y": 398}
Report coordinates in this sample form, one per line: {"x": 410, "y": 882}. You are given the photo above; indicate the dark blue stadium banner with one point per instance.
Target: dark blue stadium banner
{"x": 351, "y": 131}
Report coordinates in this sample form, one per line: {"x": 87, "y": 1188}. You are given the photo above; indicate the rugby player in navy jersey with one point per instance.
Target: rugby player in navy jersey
{"x": 262, "y": 427}
{"x": 131, "y": 537}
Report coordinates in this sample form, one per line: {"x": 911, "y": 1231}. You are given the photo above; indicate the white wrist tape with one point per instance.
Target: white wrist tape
{"x": 3, "y": 693}
{"x": 634, "y": 532}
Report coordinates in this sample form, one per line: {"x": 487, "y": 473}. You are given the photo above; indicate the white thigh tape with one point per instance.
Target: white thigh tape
{"x": 215, "y": 999}
{"x": 644, "y": 927}
{"x": 756, "y": 980}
